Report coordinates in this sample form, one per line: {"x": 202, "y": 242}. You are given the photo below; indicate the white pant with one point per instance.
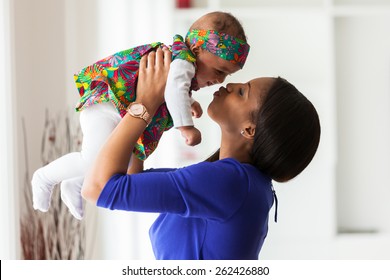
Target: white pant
{"x": 97, "y": 122}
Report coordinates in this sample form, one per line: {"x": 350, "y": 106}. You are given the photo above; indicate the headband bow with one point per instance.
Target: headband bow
{"x": 222, "y": 45}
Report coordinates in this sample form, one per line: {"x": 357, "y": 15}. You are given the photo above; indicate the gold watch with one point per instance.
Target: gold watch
{"x": 138, "y": 110}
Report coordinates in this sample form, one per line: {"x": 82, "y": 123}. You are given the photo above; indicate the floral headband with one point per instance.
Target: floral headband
{"x": 221, "y": 44}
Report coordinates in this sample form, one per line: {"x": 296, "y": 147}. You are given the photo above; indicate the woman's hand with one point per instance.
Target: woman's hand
{"x": 153, "y": 73}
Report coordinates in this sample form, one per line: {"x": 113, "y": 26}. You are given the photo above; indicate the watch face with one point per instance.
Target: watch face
{"x": 139, "y": 111}
{"x": 136, "y": 109}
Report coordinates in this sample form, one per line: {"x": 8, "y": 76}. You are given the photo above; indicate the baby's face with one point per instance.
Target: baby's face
{"x": 212, "y": 69}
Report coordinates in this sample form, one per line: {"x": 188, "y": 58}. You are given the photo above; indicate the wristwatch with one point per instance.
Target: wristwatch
{"x": 138, "y": 110}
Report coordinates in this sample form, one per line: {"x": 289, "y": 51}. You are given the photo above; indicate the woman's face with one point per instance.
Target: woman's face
{"x": 233, "y": 105}
{"x": 212, "y": 69}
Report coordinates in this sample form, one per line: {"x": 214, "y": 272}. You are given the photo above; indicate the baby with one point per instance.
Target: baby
{"x": 214, "y": 47}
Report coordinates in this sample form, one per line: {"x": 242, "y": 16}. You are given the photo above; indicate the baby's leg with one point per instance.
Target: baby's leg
{"x": 97, "y": 123}
{"x": 71, "y": 196}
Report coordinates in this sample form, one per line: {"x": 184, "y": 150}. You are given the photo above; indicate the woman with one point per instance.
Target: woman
{"x": 216, "y": 209}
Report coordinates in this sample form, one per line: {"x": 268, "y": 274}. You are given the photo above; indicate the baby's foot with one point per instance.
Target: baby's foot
{"x": 71, "y": 196}
{"x": 41, "y": 192}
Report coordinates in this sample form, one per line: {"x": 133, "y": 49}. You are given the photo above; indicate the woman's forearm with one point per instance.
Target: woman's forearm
{"x": 114, "y": 156}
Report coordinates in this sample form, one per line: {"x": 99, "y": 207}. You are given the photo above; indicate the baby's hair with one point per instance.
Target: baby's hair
{"x": 222, "y": 22}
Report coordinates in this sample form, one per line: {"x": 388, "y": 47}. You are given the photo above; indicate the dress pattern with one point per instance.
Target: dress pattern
{"x": 114, "y": 79}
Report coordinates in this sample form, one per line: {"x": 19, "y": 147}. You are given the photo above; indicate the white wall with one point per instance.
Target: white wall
{"x": 363, "y": 87}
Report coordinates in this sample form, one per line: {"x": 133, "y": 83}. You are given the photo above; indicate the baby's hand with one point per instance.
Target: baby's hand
{"x": 196, "y": 109}
{"x": 191, "y": 134}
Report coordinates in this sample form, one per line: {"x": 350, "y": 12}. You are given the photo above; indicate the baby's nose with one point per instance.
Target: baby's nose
{"x": 221, "y": 79}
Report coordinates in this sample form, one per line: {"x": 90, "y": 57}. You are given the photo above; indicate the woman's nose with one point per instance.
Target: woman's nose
{"x": 229, "y": 87}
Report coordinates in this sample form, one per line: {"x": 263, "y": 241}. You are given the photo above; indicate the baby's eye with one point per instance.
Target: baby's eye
{"x": 219, "y": 72}
{"x": 241, "y": 92}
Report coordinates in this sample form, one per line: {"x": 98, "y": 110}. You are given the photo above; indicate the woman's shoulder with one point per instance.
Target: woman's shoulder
{"x": 229, "y": 167}
{"x": 224, "y": 170}
{"x": 258, "y": 183}
{"x": 232, "y": 162}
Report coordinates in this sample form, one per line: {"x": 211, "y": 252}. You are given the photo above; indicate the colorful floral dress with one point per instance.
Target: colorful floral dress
{"x": 114, "y": 79}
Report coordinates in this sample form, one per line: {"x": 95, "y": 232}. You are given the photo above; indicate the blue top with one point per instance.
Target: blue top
{"x": 210, "y": 210}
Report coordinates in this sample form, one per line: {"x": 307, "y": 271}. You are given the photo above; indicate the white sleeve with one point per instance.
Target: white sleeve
{"x": 177, "y": 92}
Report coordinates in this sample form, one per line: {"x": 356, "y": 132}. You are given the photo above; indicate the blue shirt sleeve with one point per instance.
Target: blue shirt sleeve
{"x": 212, "y": 190}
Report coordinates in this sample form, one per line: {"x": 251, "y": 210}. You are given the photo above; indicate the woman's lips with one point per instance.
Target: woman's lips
{"x": 218, "y": 92}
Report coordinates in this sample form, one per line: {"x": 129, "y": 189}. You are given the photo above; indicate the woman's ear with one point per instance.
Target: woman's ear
{"x": 249, "y": 132}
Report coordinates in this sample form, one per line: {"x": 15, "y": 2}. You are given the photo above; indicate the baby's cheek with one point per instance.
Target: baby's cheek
{"x": 200, "y": 78}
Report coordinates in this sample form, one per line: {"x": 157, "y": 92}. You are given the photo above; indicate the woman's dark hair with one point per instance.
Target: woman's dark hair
{"x": 287, "y": 132}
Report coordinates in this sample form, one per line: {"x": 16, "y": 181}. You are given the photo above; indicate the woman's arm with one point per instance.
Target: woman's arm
{"x": 115, "y": 154}
{"x": 136, "y": 166}
{"x": 205, "y": 190}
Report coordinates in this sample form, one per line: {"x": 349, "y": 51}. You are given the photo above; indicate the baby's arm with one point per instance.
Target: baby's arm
{"x": 191, "y": 133}
{"x": 196, "y": 109}
{"x": 179, "y": 102}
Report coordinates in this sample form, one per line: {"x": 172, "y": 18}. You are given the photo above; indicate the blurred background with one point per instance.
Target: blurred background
{"x": 336, "y": 52}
